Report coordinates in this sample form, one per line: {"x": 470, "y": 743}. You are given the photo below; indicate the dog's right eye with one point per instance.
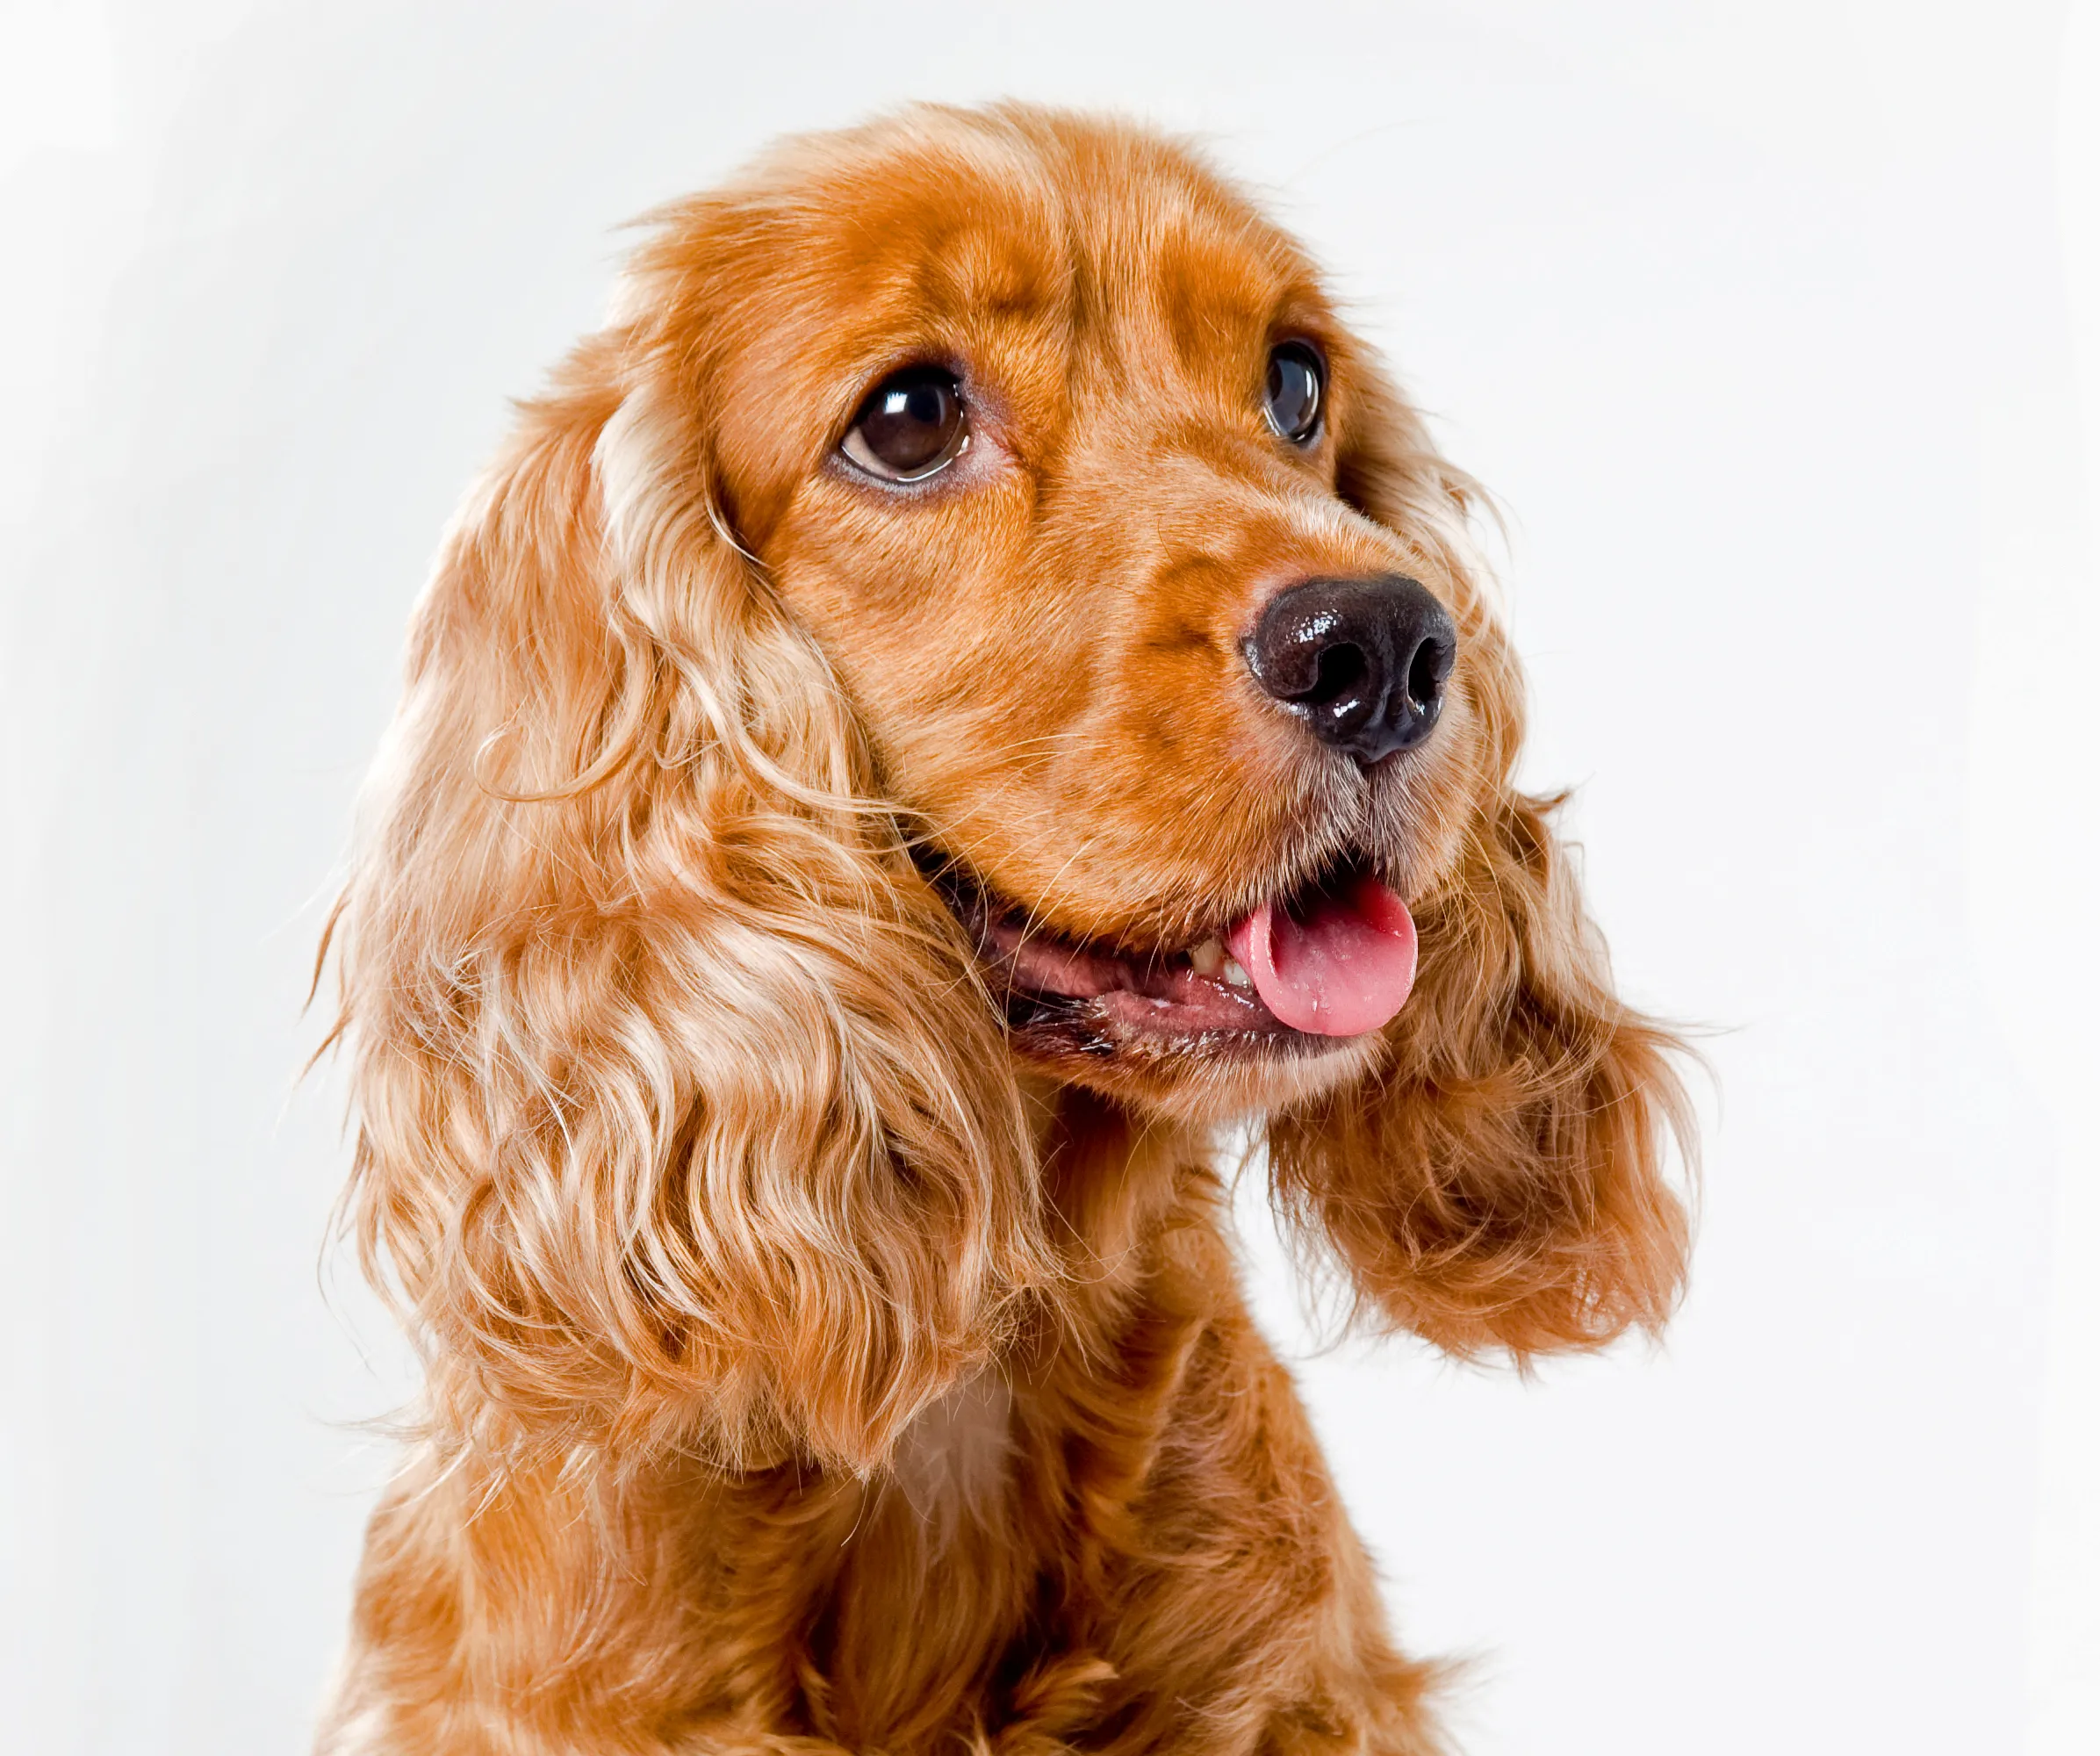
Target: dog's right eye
{"x": 912, "y": 426}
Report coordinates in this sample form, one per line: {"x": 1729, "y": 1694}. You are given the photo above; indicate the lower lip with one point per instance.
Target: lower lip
{"x": 1055, "y": 1028}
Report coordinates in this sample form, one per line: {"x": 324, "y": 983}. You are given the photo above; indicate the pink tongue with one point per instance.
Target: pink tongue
{"x": 1337, "y": 963}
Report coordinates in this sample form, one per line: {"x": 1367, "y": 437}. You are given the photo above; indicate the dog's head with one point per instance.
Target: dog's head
{"x": 974, "y": 615}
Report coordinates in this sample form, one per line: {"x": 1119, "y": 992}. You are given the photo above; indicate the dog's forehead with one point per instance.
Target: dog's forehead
{"x": 1099, "y": 242}
{"x": 1089, "y": 234}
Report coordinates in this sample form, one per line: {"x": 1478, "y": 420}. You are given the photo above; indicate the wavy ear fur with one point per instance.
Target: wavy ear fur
{"x": 1502, "y": 1183}
{"x": 682, "y": 1118}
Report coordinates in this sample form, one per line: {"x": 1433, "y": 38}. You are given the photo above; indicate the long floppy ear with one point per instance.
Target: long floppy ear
{"x": 1502, "y": 1182}
{"x": 683, "y": 1119}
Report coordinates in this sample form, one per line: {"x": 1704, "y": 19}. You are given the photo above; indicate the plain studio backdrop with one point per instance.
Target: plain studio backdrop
{"x": 1770, "y": 326}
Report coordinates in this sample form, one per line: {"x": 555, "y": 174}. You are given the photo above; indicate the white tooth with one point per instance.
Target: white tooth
{"x": 1208, "y": 958}
{"x": 1235, "y": 976}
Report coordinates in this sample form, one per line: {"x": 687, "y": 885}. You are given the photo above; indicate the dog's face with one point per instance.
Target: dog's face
{"x": 1064, "y": 470}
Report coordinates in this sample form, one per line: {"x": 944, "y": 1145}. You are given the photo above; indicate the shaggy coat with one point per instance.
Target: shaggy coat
{"x": 830, "y": 1349}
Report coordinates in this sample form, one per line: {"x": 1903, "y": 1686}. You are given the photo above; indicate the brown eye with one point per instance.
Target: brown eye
{"x": 1295, "y": 391}
{"x": 911, "y": 426}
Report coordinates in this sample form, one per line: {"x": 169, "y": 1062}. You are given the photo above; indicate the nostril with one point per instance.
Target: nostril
{"x": 1341, "y": 669}
{"x": 1425, "y": 673}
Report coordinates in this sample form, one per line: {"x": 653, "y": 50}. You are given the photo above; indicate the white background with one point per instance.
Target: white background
{"x": 1774, "y": 327}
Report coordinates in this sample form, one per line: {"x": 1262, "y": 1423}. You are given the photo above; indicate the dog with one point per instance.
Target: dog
{"x": 972, "y": 681}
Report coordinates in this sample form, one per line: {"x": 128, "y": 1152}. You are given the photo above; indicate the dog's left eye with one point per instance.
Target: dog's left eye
{"x": 913, "y": 425}
{"x": 1295, "y": 389}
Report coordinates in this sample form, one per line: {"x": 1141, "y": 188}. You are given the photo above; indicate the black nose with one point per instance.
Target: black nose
{"x": 1363, "y": 662}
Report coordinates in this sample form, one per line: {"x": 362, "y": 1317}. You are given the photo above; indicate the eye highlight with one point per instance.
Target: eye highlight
{"x": 1296, "y": 392}
{"x": 913, "y": 425}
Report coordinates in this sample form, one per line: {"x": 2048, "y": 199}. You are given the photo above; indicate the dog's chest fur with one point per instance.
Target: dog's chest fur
{"x": 955, "y": 1459}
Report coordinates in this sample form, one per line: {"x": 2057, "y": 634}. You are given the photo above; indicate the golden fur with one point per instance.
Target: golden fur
{"x": 808, "y": 1368}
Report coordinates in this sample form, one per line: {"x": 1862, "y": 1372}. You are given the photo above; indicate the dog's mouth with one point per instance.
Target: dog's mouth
{"x": 1332, "y": 960}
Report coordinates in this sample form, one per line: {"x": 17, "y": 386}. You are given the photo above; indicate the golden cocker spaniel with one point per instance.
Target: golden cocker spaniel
{"x": 971, "y": 681}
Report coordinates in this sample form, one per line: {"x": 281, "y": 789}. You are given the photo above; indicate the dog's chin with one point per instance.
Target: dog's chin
{"x": 1183, "y": 1033}
{"x": 1195, "y": 1081}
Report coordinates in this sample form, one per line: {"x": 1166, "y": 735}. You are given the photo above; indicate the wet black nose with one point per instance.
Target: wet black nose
{"x": 1363, "y": 662}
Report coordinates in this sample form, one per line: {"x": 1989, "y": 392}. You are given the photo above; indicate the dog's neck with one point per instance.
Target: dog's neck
{"x": 1110, "y": 1179}
{"x": 1110, "y": 1182}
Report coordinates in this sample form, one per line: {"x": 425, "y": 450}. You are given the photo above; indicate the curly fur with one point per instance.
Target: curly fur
{"x": 808, "y": 1371}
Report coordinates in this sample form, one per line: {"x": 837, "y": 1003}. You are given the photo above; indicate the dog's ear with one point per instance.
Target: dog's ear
{"x": 1502, "y": 1182}
{"x": 683, "y": 1117}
